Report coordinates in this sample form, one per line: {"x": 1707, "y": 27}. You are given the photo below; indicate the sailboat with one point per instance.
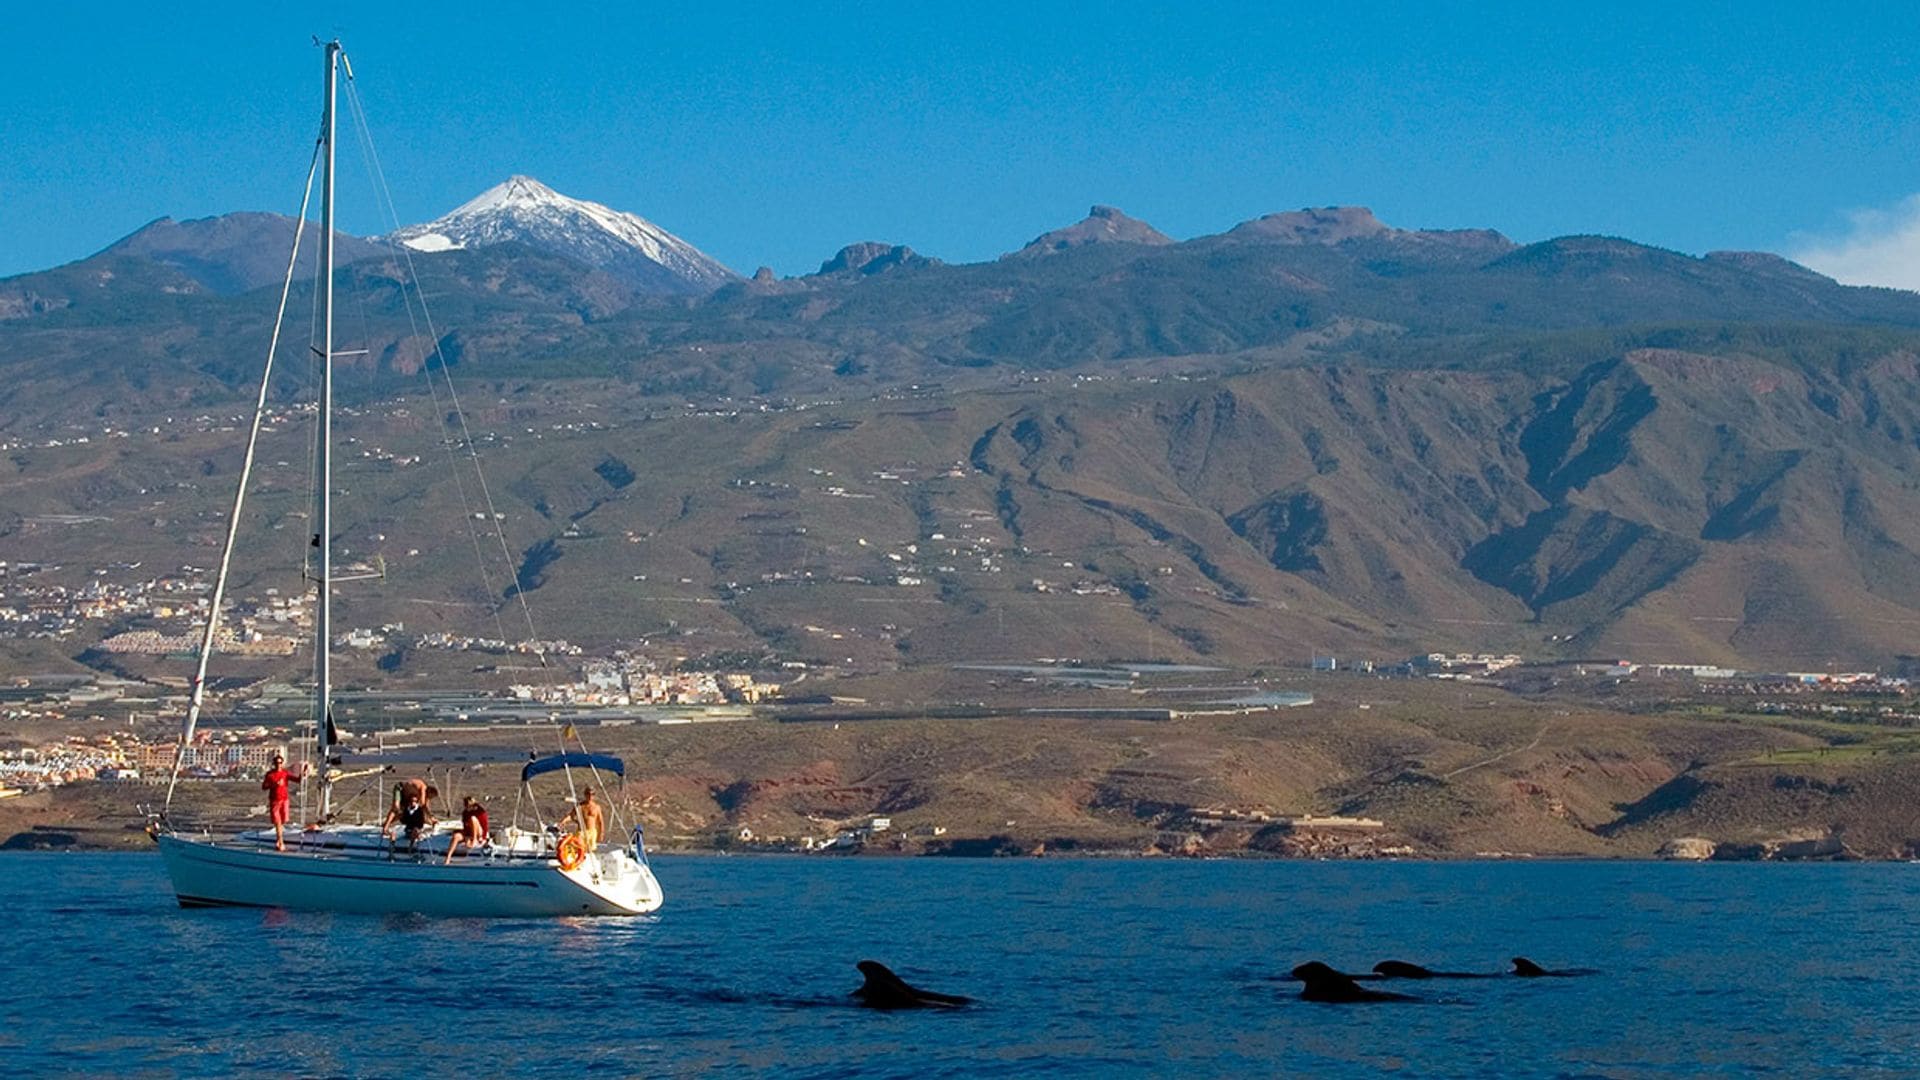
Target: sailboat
{"x": 327, "y": 866}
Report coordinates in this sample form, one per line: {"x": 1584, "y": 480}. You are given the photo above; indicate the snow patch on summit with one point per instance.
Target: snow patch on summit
{"x": 524, "y": 210}
{"x": 517, "y": 191}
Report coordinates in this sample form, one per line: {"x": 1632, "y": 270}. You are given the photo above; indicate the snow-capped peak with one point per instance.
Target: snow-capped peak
{"x": 524, "y": 210}
{"x": 515, "y": 192}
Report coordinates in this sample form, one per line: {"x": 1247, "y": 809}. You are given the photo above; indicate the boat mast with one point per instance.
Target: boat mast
{"x": 323, "y": 463}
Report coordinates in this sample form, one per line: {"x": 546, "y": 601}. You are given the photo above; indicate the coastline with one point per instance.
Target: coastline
{"x": 129, "y": 839}
{"x": 1396, "y": 769}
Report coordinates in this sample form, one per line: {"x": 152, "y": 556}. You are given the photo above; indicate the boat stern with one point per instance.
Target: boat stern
{"x": 617, "y": 879}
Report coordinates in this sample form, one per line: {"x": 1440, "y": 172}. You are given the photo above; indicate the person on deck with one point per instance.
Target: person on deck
{"x": 409, "y": 811}
{"x": 417, "y": 790}
{"x": 473, "y": 827}
{"x": 279, "y": 802}
{"x": 590, "y": 820}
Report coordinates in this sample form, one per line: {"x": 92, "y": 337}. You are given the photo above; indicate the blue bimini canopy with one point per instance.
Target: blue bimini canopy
{"x": 604, "y": 762}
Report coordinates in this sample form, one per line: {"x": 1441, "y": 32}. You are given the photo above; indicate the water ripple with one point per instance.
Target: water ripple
{"x": 1081, "y": 968}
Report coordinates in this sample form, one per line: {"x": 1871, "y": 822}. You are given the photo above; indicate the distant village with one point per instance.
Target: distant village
{"x": 123, "y": 757}
{"x": 1712, "y": 678}
{"x": 633, "y": 681}
{"x": 603, "y": 685}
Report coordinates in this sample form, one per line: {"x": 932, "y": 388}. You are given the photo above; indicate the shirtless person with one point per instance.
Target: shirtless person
{"x": 279, "y": 802}
{"x": 473, "y": 827}
{"x": 409, "y": 810}
{"x": 588, "y": 817}
{"x": 416, "y": 790}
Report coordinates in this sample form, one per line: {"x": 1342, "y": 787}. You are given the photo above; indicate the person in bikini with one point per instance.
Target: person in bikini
{"x": 473, "y": 827}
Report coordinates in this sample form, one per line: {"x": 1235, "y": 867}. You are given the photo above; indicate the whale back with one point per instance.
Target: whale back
{"x": 1324, "y": 984}
{"x": 1400, "y": 969}
{"x": 885, "y": 990}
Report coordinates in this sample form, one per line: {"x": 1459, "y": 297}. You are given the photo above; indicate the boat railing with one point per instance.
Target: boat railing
{"x": 366, "y": 839}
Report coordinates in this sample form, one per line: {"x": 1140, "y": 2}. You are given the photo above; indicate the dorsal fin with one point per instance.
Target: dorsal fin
{"x": 1314, "y": 971}
{"x": 885, "y": 990}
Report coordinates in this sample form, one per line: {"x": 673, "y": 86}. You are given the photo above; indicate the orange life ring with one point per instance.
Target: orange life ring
{"x": 573, "y": 852}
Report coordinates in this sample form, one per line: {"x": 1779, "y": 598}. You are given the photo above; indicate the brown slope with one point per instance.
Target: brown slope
{"x": 1102, "y": 225}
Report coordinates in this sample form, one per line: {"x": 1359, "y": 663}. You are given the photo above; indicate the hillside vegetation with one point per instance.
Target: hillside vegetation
{"x": 1313, "y": 431}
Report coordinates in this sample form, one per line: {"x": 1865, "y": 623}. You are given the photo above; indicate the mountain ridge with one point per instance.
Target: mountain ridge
{"x": 1325, "y": 429}
{"x": 1102, "y": 225}
{"x": 232, "y": 253}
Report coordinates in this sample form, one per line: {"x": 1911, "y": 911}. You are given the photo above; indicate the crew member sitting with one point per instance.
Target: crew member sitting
{"x": 588, "y": 818}
{"x": 473, "y": 827}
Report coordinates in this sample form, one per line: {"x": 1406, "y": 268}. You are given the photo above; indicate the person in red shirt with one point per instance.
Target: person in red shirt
{"x": 279, "y": 803}
{"x": 473, "y": 827}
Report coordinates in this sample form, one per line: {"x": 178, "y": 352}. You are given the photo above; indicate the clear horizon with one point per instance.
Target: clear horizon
{"x": 776, "y": 138}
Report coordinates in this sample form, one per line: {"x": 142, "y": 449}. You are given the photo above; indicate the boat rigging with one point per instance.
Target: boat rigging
{"x": 332, "y": 866}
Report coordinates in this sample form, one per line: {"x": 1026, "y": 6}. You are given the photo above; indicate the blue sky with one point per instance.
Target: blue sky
{"x": 773, "y": 135}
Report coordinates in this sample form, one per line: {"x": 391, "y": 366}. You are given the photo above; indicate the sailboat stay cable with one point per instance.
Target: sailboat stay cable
{"x": 413, "y": 333}
{"x": 310, "y": 391}
{"x": 330, "y": 866}
{"x": 198, "y": 691}
{"x": 566, "y": 767}
{"x": 613, "y": 805}
{"x": 446, "y": 373}
{"x": 468, "y": 514}
{"x": 371, "y": 158}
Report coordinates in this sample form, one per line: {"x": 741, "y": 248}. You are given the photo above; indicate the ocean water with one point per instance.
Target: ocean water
{"x": 1081, "y": 968}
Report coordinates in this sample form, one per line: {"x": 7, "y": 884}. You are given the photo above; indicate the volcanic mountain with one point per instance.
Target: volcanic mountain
{"x": 1314, "y": 429}
{"x": 231, "y": 253}
{"x": 525, "y": 211}
{"x": 1102, "y": 225}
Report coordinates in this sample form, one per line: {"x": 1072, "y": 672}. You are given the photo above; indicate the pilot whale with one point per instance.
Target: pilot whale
{"x": 1322, "y": 983}
{"x": 1527, "y": 969}
{"x": 1400, "y": 969}
{"x": 885, "y": 990}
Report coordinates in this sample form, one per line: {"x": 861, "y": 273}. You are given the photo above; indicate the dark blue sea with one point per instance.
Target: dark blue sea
{"x": 1081, "y": 968}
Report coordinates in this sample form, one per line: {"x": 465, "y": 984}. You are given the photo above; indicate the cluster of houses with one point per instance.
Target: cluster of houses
{"x": 33, "y": 608}
{"x": 628, "y": 681}
{"x": 1713, "y": 678}
{"x": 123, "y": 757}
{"x": 260, "y": 627}
{"x": 244, "y": 757}
{"x": 1435, "y": 665}
{"x": 78, "y": 759}
{"x": 244, "y": 642}
{"x": 463, "y": 643}
{"x": 844, "y": 839}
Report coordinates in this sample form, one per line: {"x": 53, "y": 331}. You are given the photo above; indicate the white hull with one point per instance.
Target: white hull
{"x": 352, "y": 867}
{"x": 358, "y": 878}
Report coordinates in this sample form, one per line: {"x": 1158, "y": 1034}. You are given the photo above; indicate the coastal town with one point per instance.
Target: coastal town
{"x": 124, "y": 757}
{"x": 127, "y": 722}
